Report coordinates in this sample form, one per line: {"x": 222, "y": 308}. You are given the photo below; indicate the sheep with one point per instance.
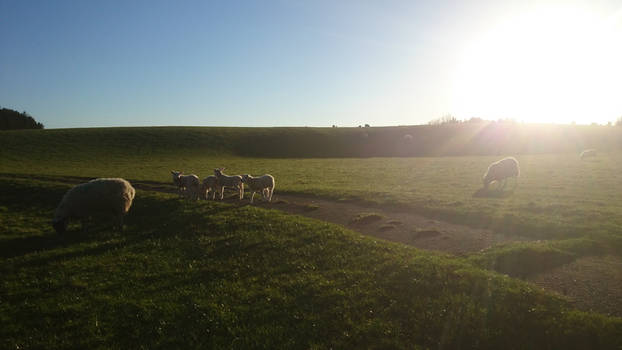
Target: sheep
{"x": 224, "y": 180}
{"x": 264, "y": 183}
{"x": 590, "y": 152}
{"x": 187, "y": 184}
{"x": 501, "y": 170}
{"x": 99, "y": 196}
{"x": 210, "y": 183}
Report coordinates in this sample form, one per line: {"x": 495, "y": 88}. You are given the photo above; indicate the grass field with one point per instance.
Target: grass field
{"x": 214, "y": 275}
{"x": 210, "y": 274}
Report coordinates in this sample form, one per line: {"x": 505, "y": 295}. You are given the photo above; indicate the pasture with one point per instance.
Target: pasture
{"x": 221, "y": 275}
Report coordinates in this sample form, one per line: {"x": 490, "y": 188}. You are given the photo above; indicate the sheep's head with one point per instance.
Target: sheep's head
{"x": 60, "y": 226}
{"x": 176, "y": 177}
{"x": 245, "y": 178}
{"x": 218, "y": 171}
{"x": 486, "y": 180}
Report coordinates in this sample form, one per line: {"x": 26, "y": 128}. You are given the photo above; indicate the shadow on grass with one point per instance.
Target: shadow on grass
{"x": 488, "y": 193}
{"x": 26, "y": 245}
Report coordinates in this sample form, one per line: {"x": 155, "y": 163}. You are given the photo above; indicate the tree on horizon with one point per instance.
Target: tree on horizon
{"x": 14, "y": 120}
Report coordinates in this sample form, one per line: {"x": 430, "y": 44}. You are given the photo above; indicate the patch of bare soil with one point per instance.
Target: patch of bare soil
{"x": 393, "y": 225}
{"x": 592, "y": 283}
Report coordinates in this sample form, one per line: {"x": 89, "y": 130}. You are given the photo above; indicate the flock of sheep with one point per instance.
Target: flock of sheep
{"x": 114, "y": 196}
{"x": 191, "y": 187}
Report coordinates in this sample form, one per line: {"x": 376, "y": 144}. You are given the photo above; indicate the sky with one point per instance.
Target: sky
{"x": 309, "y": 63}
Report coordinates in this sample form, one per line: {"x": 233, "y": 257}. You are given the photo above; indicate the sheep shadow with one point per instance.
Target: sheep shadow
{"x": 21, "y": 246}
{"x": 488, "y": 193}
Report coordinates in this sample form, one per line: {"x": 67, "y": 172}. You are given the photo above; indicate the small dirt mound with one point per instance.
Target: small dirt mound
{"x": 366, "y": 218}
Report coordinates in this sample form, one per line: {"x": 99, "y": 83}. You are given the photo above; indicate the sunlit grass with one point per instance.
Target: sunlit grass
{"x": 206, "y": 274}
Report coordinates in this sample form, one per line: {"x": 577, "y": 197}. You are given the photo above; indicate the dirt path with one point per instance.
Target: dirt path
{"x": 393, "y": 225}
{"x": 397, "y": 225}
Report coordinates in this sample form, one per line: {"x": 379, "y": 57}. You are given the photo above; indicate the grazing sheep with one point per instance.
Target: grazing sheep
{"x": 501, "y": 170}
{"x": 264, "y": 183}
{"x": 588, "y": 153}
{"x": 234, "y": 181}
{"x": 111, "y": 196}
{"x": 210, "y": 183}
{"x": 188, "y": 185}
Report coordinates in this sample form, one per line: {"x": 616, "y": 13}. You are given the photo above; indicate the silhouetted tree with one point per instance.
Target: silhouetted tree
{"x": 475, "y": 120}
{"x": 446, "y": 119}
{"x": 13, "y": 120}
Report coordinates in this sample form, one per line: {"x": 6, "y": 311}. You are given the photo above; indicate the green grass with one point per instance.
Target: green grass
{"x": 559, "y": 197}
{"x": 70, "y": 292}
{"x": 203, "y": 274}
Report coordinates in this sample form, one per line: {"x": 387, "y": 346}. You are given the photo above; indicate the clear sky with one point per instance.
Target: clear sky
{"x": 309, "y": 63}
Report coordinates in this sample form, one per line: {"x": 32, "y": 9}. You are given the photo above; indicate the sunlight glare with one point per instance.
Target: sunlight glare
{"x": 551, "y": 65}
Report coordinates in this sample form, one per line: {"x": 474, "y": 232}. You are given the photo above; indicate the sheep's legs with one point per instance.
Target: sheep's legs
{"x": 252, "y": 196}
{"x": 241, "y": 191}
{"x": 120, "y": 223}
{"x": 515, "y": 183}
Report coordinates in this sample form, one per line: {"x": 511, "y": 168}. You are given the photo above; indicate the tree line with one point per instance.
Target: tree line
{"x": 13, "y": 120}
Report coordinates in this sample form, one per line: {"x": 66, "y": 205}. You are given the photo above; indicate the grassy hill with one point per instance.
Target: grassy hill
{"x": 489, "y": 138}
{"x": 559, "y": 195}
{"x": 186, "y": 274}
{"x": 209, "y": 274}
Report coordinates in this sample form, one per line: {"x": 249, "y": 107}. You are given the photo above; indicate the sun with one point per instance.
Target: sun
{"x": 554, "y": 64}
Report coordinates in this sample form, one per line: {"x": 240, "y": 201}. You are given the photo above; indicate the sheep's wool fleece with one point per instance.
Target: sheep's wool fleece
{"x": 104, "y": 195}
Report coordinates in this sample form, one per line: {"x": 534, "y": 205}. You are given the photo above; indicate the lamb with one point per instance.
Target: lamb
{"x": 501, "y": 170}
{"x": 590, "y": 152}
{"x": 264, "y": 183}
{"x": 210, "y": 183}
{"x": 187, "y": 184}
{"x": 112, "y": 196}
{"x": 224, "y": 180}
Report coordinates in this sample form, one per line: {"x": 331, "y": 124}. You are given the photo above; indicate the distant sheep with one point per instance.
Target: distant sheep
{"x": 263, "y": 184}
{"x": 210, "y": 183}
{"x": 501, "y": 170}
{"x": 188, "y": 185}
{"x": 233, "y": 181}
{"x": 588, "y": 153}
{"x": 112, "y": 196}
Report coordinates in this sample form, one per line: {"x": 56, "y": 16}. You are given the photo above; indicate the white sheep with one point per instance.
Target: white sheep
{"x": 263, "y": 184}
{"x": 188, "y": 185}
{"x": 112, "y": 196}
{"x": 501, "y": 170}
{"x": 210, "y": 183}
{"x": 234, "y": 181}
{"x": 590, "y": 152}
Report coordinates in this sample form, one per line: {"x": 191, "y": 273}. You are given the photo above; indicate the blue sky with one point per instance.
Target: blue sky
{"x": 249, "y": 63}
